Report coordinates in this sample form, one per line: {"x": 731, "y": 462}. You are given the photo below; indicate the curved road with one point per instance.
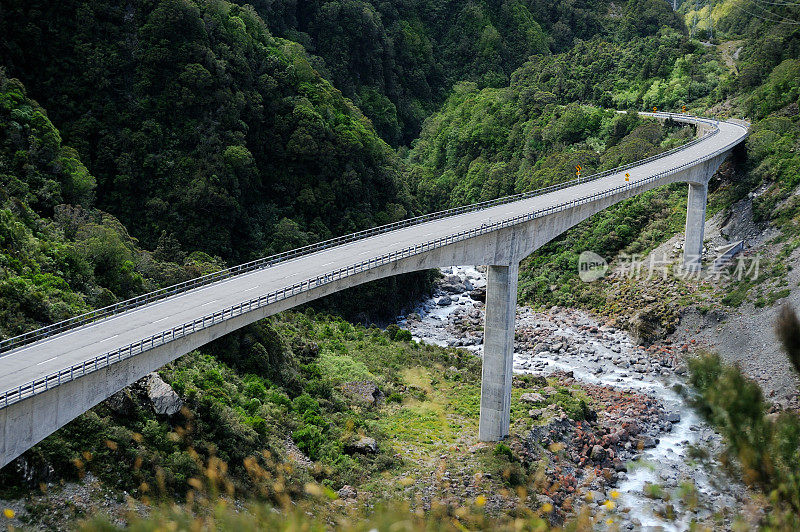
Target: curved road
{"x": 27, "y": 363}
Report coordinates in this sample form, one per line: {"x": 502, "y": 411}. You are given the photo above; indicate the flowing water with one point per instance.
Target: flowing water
{"x": 609, "y": 359}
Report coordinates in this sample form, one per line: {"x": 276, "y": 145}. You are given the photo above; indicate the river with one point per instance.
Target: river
{"x": 699, "y": 490}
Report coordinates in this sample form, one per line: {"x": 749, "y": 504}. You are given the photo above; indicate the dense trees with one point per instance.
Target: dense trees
{"x": 398, "y": 60}
{"x": 489, "y": 142}
{"x": 197, "y": 122}
{"x": 58, "y": 254}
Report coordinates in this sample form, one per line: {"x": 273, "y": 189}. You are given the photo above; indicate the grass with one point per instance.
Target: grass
{"x": 444, "y": 414}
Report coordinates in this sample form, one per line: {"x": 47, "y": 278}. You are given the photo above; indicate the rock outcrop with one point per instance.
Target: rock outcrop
{"x": 161, "y": 396}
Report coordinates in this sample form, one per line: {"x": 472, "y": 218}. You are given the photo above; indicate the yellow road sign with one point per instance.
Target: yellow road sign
{"x": 627, "y": 176}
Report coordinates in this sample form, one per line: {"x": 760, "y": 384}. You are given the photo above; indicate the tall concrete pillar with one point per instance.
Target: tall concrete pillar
{"x": 498, "y": 352}
{"x": 695, "y": 224}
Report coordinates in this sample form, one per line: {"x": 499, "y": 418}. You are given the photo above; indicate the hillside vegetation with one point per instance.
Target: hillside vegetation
{"x": 143, "y": 144}
{"x": 197, "y": 123}
{"x": 59, "y": 254}
{"x": 398, "y": 60}
{"x": 490, "y": 142}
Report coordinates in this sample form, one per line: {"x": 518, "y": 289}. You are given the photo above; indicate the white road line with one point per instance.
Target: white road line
{"x": 251, "y": 288}
{"x": 210, "y": 302}
{"x": 46, "y": 361}
{"x": 162, "y": 319}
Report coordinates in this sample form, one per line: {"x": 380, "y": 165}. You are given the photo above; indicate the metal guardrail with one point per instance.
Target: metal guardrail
{"x": 266, "y": 262}
{"x": 78, "y": 370}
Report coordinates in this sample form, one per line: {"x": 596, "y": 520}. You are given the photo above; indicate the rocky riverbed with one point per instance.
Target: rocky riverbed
{"x": 641, "y": 457}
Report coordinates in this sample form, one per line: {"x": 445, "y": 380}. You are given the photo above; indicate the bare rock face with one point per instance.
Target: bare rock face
{"x": 646, "y": 326}
{"x": 162, "y": 397}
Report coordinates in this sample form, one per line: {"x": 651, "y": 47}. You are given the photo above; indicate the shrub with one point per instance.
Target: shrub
{"x": 304, "y": 403}
{"x": 394, "y": 398}
{"x": 309, "y": 439}
{"x": 392, "y": 330}
{"x": 501, "y": 449}
{"x": 403, "y": 336}
{"x": 767, "y": 449}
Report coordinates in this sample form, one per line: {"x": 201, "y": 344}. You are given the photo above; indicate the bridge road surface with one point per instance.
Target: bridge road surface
{"x": 36, "y": 360}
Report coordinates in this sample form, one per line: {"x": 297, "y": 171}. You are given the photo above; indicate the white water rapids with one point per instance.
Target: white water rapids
{"x": 668, "y": 464}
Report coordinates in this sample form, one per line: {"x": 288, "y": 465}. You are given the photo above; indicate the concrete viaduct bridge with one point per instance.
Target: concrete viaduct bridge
{"x": 52, "y": 375}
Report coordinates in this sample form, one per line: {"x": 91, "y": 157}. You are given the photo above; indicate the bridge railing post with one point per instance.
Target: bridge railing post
{"x": 498, "y": 352}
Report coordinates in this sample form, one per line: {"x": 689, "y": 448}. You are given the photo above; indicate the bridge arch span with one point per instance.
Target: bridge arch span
{"x": 49, "y": 377}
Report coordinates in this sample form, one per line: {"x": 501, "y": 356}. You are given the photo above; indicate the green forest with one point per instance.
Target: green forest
{"x": 143, "y": 144}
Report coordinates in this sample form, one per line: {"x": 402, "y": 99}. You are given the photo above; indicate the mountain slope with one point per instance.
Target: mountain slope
{"x": 398, "y": 60}
{"x": 198, "y": 123}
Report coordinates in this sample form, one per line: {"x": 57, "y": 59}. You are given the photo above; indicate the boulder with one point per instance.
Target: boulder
{"x": 598, "y": 453}
{"x": 363, "y": 445}
{"x": 647, "y": 442}
{"x": 444, "y": 301}
{"x": 347, "y": 492}
{"x": 532, "y": 397}
{"x": 162, "y": 397}
{"x": 535, "y": 413}
{"x": 452, "y": 284}
{"x": 122, "y": 402}
{"x": 479, "y": 294}
{"x": 364, "y": 391}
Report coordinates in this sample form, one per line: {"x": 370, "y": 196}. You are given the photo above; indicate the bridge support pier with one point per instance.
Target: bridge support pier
{"x": 498, "y": 352}
{"x": 695, "y": 225}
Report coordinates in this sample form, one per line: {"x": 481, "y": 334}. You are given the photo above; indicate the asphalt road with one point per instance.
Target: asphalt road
{"x": 34, "y": 361}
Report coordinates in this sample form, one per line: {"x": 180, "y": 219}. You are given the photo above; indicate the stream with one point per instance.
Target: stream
{"x": 565, "y": 340}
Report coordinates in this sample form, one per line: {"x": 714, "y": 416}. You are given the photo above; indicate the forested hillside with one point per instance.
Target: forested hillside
{"x": 59, "y": 255}
{"x": 146, "y": 143}
{"x": 398, "y": 60}
{"x": 489, "y": 142}
{"x": 243, "y": 395}
{"x": 486, "y": 143}
{"x": 196, "y": 122}
{"x": 509, "y": 139}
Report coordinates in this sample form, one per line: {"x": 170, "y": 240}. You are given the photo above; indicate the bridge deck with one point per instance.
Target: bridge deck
{"x": 30, "y": 362}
